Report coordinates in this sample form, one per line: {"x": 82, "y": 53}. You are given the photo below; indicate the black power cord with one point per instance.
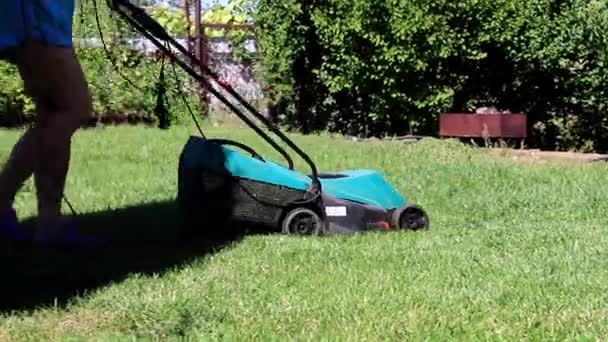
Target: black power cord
{"x": 177, "y": 83}
{"x": 160, "y": 110}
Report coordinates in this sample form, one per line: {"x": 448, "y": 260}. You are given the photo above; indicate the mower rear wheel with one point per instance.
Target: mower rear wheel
{"x": 302, "y": 221}
{"x": 410, "y": 217}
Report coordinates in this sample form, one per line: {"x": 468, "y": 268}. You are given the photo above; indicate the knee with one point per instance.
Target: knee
{"x": 61, "y": 94}
{"x": 82, "y": 106}
{"x": 67, "y": 113}
{"x": 78, "y": 104}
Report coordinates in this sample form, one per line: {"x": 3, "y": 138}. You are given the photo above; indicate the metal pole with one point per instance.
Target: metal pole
{"x": 188, "y": 25}
{"x": 201, "y": 52}
{"x": 197, "y": 27}
{"x": 204, "y": 65}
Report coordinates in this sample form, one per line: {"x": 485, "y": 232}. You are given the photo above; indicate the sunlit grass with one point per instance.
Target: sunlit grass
{"x": 515, "y": 250}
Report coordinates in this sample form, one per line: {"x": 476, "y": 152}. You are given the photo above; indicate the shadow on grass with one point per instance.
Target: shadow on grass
{"x": 144, "y": 240}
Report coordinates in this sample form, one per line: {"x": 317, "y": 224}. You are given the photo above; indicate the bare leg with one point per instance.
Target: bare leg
{"x": 45, "y": 149}
{"x": 53, "y": 147}
{"x": 52, "y": 75}
{"x": 17, "y": 169}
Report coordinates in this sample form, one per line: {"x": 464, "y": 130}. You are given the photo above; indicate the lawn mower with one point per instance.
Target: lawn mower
{"x": 226, "y": 183}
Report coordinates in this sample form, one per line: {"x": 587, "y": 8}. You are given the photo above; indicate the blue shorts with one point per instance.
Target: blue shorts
{"x": 46, "y": 20}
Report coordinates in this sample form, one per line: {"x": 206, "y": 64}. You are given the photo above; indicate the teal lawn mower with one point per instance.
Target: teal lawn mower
{"x": 225, "y": 183}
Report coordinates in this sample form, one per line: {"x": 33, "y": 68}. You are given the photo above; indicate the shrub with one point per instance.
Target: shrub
{"x": 390, "y": 67}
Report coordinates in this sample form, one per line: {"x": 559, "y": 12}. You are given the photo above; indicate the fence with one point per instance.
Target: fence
{"x": 115, "y": 97}
{"x": 217, "y": 52}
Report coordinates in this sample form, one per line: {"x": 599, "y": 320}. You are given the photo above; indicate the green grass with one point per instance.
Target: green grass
{"x": 515, "y": 251}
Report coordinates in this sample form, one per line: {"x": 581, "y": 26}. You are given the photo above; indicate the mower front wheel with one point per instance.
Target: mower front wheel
{"x": 410, "y": 217}
{"x": 302, "y": 221}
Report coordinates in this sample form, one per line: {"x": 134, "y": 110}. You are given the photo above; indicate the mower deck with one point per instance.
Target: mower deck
{"x": 219, "y": 186}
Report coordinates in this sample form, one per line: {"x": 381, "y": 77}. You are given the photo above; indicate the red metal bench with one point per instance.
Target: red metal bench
{"x": 487, "y": 126}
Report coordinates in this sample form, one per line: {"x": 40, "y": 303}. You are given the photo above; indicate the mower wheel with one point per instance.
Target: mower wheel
{"x": 410, "y": 217}
{"x": 302, "y": 221}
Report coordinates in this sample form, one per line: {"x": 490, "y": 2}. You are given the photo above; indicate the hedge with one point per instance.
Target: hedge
{"x": 382, "y": 68}
{"x": 386, "y": 67}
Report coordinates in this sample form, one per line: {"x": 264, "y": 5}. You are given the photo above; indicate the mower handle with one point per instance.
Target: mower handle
{"x": 144, "y": 20}
{"x": 238, "y": 144}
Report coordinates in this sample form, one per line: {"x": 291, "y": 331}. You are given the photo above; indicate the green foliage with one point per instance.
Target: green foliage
{"x": 291, "y": 55}
{"x": 172, "y": 19}
{"x": 237, "y": 12}
{"x": 556, "y": 53}
{"x": 123, "y": 80}
{"x": 390, "y": 67}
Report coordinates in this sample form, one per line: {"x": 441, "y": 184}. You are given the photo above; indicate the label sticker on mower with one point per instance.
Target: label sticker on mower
{"x": 335, "y": 211}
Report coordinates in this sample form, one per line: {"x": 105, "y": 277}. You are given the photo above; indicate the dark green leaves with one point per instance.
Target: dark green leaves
{"x": 382, "y": 67}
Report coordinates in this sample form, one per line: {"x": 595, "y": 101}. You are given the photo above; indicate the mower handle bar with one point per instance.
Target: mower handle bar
{"x": 239, "y": 145}
{"x": 144, "y": 21}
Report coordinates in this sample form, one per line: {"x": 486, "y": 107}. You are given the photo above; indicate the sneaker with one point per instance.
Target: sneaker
{"x": 67, "y": 236}
{"x": 10, "y": 228}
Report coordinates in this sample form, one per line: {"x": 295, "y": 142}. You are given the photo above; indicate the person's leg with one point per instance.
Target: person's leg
{"x": 19, "y": 165}
{"x": 38, "y": 35}
{"x": 62, "y": 101}
{"x": 55, "y": 80}
{"x": 17, "y": 169}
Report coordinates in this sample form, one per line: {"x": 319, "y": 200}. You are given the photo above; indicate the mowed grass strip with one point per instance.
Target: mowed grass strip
{"x": 515, "y": 250}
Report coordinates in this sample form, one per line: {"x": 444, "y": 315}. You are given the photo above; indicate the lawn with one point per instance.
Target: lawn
{"x": 516, "y": 250}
